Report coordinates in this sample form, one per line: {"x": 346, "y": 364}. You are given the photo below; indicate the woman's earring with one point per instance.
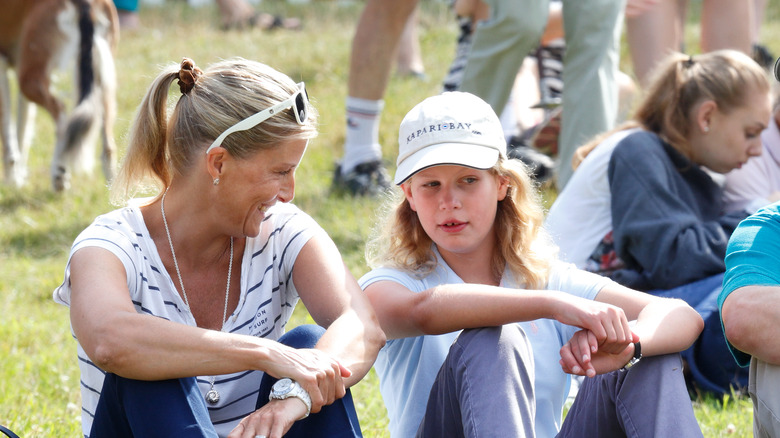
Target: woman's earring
{"x": 706, "y": 128}
{"x": 216, "y": 181}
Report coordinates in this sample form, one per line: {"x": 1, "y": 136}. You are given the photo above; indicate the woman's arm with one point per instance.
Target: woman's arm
{"x": 334, "y": 299}
{"x": 447, "y": 308}
{"x": 122, "y": 341}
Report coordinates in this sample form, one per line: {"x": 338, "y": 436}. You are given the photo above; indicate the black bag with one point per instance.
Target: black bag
{"x": 7, "y": 432}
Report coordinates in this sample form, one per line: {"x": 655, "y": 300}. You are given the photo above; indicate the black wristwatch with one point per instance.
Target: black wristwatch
{"x": 637, "y": 356}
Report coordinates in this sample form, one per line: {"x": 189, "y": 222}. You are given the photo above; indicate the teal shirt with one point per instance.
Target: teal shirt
{"x": 752, "y": 259}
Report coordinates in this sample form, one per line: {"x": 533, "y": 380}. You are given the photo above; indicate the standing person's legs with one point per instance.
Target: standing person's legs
{"x": 484, "y": 388}
{"x": 410, "y": 62}
{"x": 649, "y": 400}
{"x": 337, "y": 420}
{"x": 374, "y": 50}
{"x": 500, "y": 44}
{"x": 726, "y": 24}
{"x": 764, "y": 381}
{"x": 653, "y": 35}
{"x": 590, "y": 66}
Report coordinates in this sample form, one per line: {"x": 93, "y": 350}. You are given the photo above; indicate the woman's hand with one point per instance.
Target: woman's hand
{"x": 582, "y": 355}
{"x": 318, "y": 373}
{"x": 272, "y": 420}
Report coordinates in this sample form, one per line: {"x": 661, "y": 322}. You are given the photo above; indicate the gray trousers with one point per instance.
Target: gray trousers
{"x": 590, "y": 92}
{"x": 763, "y": 387}
{"x": 485, "y": 389}
{"x": 649, "y": 400}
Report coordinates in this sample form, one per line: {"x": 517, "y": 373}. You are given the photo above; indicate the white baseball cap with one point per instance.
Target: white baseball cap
{"x": 451, "y": 128}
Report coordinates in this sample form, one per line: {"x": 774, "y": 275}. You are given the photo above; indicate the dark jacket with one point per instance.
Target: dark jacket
{"x": 667, "y": 219}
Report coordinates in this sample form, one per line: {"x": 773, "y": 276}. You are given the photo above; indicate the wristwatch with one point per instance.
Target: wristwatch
{"x": 637, "y": 356}
{"x": 286, "y": 388}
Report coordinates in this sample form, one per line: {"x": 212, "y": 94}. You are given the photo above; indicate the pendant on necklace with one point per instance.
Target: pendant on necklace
{"x": 212, "y": 397}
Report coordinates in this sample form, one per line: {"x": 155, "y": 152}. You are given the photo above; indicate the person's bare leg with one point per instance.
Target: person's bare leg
{"x": 759, "y": 11}
{"x": 374, "y": 50}
{"x": 652, "y": 36}
{"x": 375, "y": 45}
{"x": 726, "y": 24}
{"x": 409, "y": 60}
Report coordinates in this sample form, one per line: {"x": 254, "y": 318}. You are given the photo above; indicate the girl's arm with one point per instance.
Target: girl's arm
{"x": 447, "y": 308}
{"x": 663, "y": 326}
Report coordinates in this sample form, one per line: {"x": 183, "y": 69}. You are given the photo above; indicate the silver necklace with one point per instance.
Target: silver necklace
{"x": 212, "y": 397}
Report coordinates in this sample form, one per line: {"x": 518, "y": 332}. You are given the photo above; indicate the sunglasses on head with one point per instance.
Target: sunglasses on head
{"x": 297, "y": 101}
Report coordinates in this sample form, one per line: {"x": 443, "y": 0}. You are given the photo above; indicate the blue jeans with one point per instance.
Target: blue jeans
{"x": 711, "y": 365}
{"x": 176, "y": 407}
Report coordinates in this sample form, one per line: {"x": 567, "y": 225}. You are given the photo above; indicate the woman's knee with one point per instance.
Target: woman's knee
{"x": 303, "y": 336}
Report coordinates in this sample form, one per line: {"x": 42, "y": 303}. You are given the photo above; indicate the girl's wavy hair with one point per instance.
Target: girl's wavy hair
{"x": 680, "y": 83}
{"x": 163, "y": 145}
{"x": 399, "y": 240}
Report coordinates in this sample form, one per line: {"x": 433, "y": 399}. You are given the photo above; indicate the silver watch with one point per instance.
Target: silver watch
{"x": 286, "y": 388}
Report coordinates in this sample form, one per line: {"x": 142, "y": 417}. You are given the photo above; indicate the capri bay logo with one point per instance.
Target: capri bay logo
{"x": 439, "y": 127}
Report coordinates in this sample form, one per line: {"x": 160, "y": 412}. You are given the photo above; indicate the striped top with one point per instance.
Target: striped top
{"x": 267, "y": 300}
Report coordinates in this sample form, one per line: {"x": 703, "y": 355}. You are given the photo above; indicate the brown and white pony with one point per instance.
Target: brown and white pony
{"x": 38, "y": 37}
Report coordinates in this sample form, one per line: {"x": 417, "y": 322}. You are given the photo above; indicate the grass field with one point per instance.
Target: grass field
{"x": 39, "y": 378}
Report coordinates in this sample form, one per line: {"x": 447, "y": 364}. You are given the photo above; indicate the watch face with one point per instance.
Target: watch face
{"x": 283, "y": 386}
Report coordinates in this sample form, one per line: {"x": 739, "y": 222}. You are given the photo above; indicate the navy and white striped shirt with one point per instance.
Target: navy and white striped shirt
{"x": 267, "y": 300}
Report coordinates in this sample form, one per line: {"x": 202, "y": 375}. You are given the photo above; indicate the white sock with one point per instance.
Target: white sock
{"x": 362, "y": 139}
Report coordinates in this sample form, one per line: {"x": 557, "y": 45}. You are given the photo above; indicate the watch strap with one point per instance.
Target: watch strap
{"x": 635, "y": 359}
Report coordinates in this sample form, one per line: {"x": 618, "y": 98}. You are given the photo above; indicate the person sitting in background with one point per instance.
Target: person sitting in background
{"x": 179, "y": 302}
{"x": 644, "y": 208}
{"x": 486, "y": 325}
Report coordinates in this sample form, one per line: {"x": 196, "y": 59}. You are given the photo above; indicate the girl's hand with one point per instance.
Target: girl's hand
{"x": 321, "y": 375}
{"x": 272, "y": 420}
{"x": 607, "y": 323}
{"x": 580, "y": 356}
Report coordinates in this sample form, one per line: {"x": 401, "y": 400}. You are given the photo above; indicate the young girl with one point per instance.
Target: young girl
{"x": 644, "y": 206}
{"x": 464, "y": 249}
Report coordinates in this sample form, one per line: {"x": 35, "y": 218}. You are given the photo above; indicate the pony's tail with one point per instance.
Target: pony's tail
{"x": 77, "y": 147}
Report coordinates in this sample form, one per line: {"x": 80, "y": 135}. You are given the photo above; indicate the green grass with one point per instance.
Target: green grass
{"x": 39, "y": 378}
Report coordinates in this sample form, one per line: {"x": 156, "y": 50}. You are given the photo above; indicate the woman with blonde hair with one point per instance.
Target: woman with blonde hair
{"x": 645, "y": 204}
{"x": 179, "y": 302}
{"x": 485, "y": 325}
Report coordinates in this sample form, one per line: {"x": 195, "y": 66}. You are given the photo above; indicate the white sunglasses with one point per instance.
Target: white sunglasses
{"x": 297, "y": 101}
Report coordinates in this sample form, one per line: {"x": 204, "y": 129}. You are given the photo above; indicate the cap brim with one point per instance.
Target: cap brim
{"x": 458, "y": 154}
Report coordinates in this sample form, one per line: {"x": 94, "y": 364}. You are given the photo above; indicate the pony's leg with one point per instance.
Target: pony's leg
{"x": 25, "y": 129}
{"x": 44, "y": 45}
{"x": 11, "y": 153}
{"x": 105, "y": 71}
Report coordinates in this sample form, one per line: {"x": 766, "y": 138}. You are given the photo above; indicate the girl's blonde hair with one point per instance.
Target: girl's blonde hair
{"x": 399, "y": 240}
{"x": 162, "y": 146}
{"x": 681, "y": 82}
